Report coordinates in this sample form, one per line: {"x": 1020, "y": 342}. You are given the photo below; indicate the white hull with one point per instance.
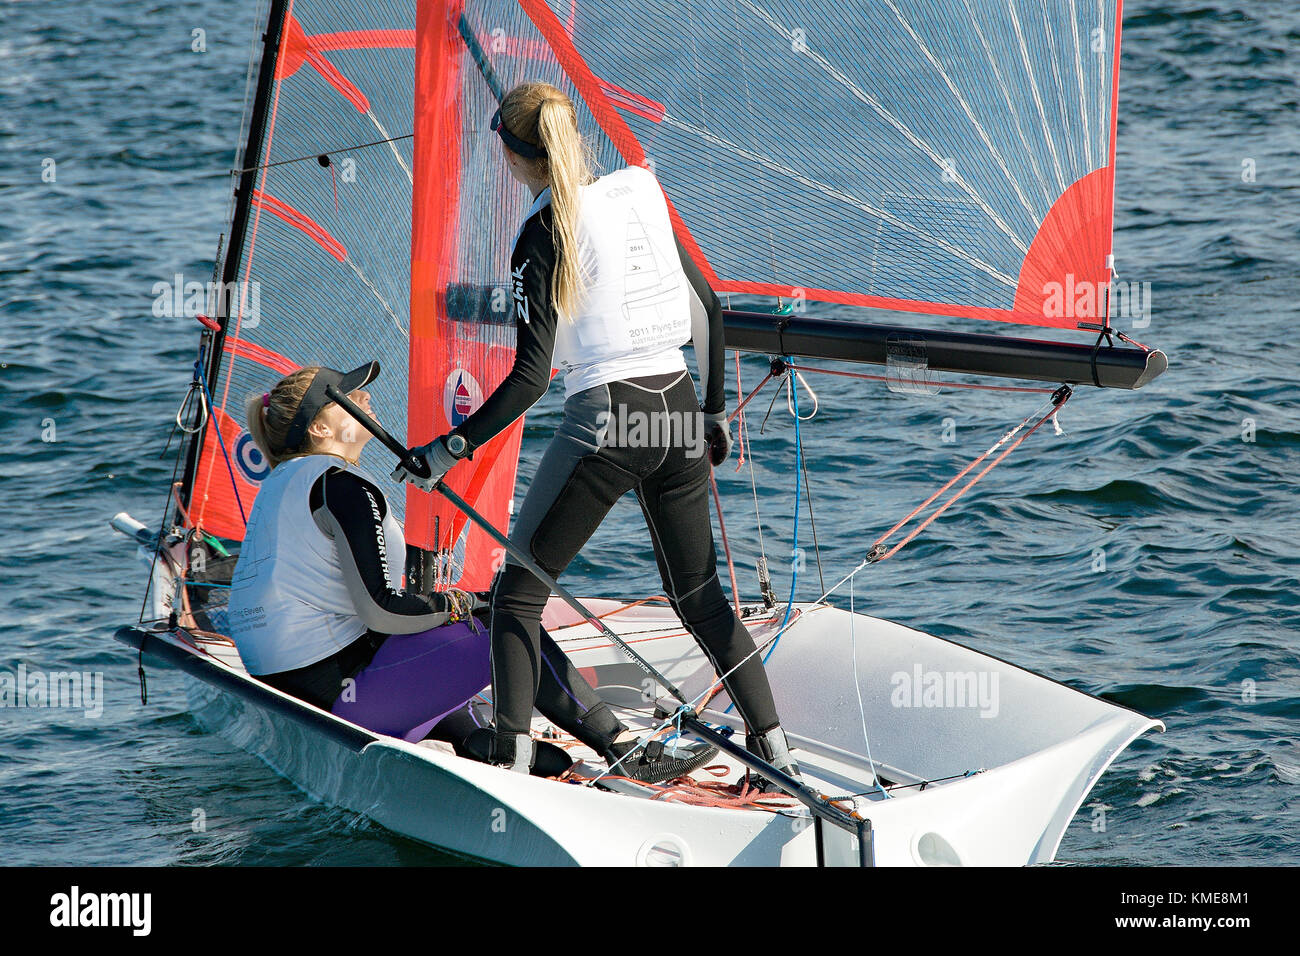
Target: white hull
{"x": 1038, "y": 753}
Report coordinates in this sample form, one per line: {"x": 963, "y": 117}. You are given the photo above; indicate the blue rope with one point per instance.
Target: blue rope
{"x": 794, "y": 564}
{"x": 216, "y": 426}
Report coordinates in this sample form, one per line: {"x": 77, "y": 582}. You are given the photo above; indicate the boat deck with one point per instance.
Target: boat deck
{"x": 723, "y": 782}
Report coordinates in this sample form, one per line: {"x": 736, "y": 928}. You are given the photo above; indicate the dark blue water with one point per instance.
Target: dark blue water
{"x": 1192, "y": 620}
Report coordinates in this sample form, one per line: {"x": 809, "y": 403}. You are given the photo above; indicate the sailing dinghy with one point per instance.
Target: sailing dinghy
{"x": 928, "y": 156}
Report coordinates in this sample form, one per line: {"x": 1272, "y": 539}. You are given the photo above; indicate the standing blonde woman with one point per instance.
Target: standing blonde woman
{"x": 603, "y": 292}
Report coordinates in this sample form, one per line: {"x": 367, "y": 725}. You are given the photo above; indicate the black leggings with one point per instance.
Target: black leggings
{"x": 645, "y": 435}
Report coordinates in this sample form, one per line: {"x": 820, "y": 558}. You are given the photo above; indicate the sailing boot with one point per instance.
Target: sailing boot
{"x": 656, "y": 761}
{"x": 517, "y": 752}
{"x": 775, "y": 749}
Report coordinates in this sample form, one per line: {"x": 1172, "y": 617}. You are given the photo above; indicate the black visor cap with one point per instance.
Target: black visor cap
{"x": 316, "y": 399}
{"x": 522, "y": 147}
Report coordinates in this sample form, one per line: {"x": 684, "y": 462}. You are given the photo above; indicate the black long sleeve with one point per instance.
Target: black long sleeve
{"x": 710, "y": 344}
{"x": 351, "y": 510}
{"x": 531, "y": 265}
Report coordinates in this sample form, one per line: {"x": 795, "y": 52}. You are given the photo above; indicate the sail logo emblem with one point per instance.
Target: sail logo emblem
{"x": 462, "y": 395}
{"x": 252, "y": 463}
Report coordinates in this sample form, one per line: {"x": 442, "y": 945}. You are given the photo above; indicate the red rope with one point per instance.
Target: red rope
{"x": 966, "y": 487}
{"x": 655, "y": 599}
{"x": 756, "y": 390}
{"x": 726, "y": 546}
{"x": 714, "y": 794}
{"x": 709, "y": 793}
{"x": 1132, "y": 341}
{"x": 176, "y": 496}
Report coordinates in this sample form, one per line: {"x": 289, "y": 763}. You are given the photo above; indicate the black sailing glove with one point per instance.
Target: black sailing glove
{"x": 717, "y": 432}
{"x": 435, "y": 460}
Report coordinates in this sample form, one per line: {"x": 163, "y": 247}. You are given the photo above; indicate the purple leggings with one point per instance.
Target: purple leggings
{"x": 415, "y": 680}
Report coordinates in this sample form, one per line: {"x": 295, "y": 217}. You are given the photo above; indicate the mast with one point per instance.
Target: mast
{"x": 251, "y": 158}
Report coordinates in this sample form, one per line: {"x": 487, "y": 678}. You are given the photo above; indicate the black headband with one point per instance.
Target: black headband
{"x": 524, "y": 149}
{"x": 316, "y": 399}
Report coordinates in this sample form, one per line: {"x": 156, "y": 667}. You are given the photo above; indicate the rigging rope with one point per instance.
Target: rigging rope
{"x": 876, "y": 553}
{"x": 198, "y": 370}
{"x": 160, "y": 544}
{"x": 812, "y": 520}
{"x": 1058, "y": 399}
{"x": 328, "y": 152}
{"x": 857, "y": 685}
{"x": 758, "y": 388}
{"x": 726, "y": 545}
{"x": 222, "y": 174}
{"x": 792, "y": 401}
{"x": 764, "y": 580}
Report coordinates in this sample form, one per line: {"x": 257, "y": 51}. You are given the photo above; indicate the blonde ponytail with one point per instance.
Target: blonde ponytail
{"x": 544, "y": 116}
{"x": 269, "y": 416}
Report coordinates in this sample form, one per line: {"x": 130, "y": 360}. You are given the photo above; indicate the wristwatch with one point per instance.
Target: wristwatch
{"x": 456, "y": 445}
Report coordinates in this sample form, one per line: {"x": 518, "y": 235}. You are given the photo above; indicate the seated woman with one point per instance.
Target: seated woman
{"x": 317, "y": 609}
